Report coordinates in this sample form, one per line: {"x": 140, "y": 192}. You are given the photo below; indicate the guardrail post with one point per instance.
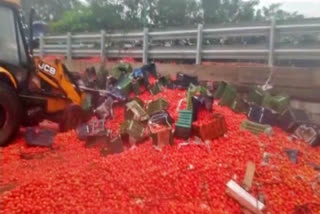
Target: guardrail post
{"x": 69, "y": 46}
{"x": 145, "y": 45}
{"x": 199, "y": 44}
{"x": 271, "y": 43}
{"x": 103, "y": 45}
{"x": 41, "y": 45}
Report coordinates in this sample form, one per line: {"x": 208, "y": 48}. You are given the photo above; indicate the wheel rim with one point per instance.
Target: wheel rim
{"x": 3, "y": 116}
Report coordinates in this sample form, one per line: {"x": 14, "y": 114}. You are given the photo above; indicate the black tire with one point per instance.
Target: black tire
{"x": 72, "y": 117}
{"x": 10, "y": 113}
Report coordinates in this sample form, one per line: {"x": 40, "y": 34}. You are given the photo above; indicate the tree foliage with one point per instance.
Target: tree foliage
{"x": 49, "y": 10}
{"x": 132, "y": 14}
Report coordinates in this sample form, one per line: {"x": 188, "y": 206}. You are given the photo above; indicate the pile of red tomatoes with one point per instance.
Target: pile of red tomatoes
{"x": 70, "y": 178}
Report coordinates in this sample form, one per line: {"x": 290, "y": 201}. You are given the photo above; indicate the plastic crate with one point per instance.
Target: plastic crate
{"x": 161, "y": 134}
{"x": 291, "y": 119}
{"x": 222, "y": 124}
{"x": 184, "y": 124}
{"x": 139, "y": 101}
{"x": 239, "y": 105}
{"x": 211, "y": 130}
{"x": 165, "y": 80}
{"x": 185, "y": 80}
{"x": 278, "y": 103}
{"x": 309, "y": 133}
{"x": 136, "y": 130}
{"x": 220, "y": 90}
{"x": 256, "y": 96}
{"x": 196, "y": 90}
{"x": 121, "y": 69}
{"x": 114, "y": 146}
{"x": 124, "y": 127}
{"x": 262, "y": 115}
{"x": 156, "y": 106}
{"x": 125, "y": 86}
{"x": 137, "y": 111}
{"x": 93, "y": 128}
{"x": 229, "y": 95}
{"x": 136, "y": 86}
{"x": 256, "y": 128}
{"x": 162, "y": 117}
{"x": 155, "y": 89}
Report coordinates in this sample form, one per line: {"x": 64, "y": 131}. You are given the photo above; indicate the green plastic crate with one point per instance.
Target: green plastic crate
{"x": 256, "y": 96}
{"x": 157, "y": 106}
{"x": 165, "y": 80}
{"x": 120, "y": 69}
{"x": 125, "y": 86}
{"x": 229, "y": 95}
{"x": 220, "y": 90}
{"x": 184, "y": 124}
{"x": 239, "y": 105}
{"x": 139, "y": 101}
{"x": 185, "y": 118}
{"x": 137, "y": 111}
{"x": 136, "y": 130}
{"x": 256, "y": 128}
{"x": 278, "y": 103}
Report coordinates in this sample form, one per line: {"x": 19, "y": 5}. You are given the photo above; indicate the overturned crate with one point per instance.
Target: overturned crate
{"x": 239, "y": 105}
{"x": 220, "y": 90}
{"x": 291, "y": 119}
{"x": 135, "y": 86}
{"x": 184, "y": 124}
{"x": 228, "y": 96}
{"x": 135, "y": 111}
{"x": 134, "y": 129}
{"x": 157, "y": 106}
{"x": 278, "y": 103}
{"x": 262, "y": 115}
{"x": 256, "y": 128}
{"x": 256, "y": 96}
{"x": 125, "y": 86}
{"x": 309, "y": 133}
{"x": 114, "y": 146}
{"x": 121, "y": 69}
{"x": 161, "y": 134}
{"x": 155, "y": 89}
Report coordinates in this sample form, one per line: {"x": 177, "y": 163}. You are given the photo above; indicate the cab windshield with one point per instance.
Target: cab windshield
{"x": 11, "y": 42}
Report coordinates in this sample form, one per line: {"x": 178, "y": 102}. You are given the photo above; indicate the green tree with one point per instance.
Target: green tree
{"x": 168, "y": 13}
{"x": 228, "y": 11}
{"x": 91, "y": 18}
{"x": 48, "y": 10}
{"x": 275, "y": 11}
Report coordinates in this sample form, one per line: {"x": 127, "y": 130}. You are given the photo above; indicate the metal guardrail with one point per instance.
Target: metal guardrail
{"x": 86, "y": 45}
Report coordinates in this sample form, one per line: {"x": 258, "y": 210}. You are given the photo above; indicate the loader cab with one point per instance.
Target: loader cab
{"x": 14, "y": 53}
